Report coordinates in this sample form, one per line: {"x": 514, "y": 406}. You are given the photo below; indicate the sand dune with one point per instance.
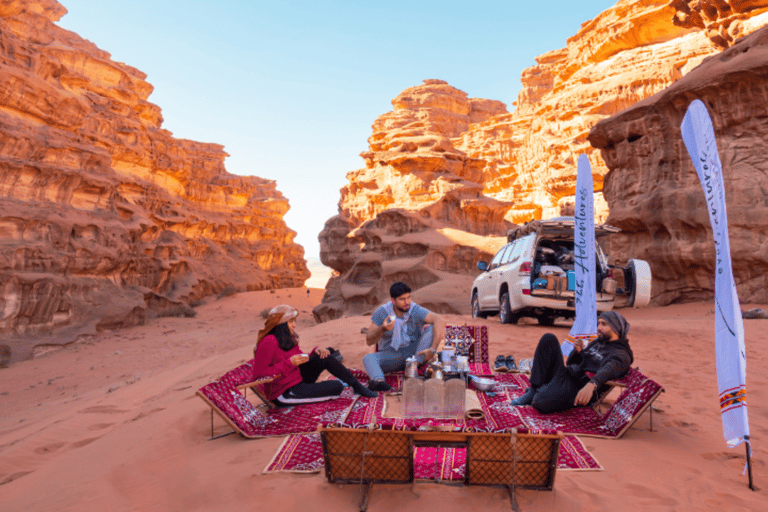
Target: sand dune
{"x": 112, "y": 423}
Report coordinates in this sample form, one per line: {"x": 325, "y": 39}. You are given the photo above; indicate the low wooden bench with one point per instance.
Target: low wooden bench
{"x": 223, "y": 397}
{"x": 634, "y": 379}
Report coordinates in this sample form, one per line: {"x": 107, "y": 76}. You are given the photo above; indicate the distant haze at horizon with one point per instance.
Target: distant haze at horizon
{"x": 320, "y": 273}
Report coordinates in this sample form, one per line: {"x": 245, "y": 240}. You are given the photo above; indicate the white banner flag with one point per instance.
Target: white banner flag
{"x": 585, "y": 292}
{"x": 699, "y": 138}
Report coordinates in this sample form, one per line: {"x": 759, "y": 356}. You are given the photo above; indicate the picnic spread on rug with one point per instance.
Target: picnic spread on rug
{"x": 432, "y": 448}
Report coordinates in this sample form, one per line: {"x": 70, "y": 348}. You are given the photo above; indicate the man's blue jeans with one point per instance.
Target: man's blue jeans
{"x": 388, "y": 360}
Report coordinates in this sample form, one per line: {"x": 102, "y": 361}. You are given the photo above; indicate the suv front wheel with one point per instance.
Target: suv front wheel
{"x": 505, "y": 315}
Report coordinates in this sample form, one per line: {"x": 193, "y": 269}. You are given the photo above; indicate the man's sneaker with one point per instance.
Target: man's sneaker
{"x": 379, "y": 385}
{"x": 500, "y": 365}
{"x": 526, "y": 399}
{"x": 511, "y": 366}
{"x": 525, "y": 365}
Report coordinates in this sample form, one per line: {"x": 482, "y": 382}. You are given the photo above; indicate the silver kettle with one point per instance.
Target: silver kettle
{"x": 437, "y": 370}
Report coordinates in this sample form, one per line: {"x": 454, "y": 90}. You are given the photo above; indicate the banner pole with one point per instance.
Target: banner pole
{"x": 730, "y": 351}
{"x": 749, "y": 464}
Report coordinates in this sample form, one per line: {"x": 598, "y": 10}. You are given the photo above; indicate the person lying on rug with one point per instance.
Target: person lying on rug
{"x": 556, "y": 387}
{"x": 277, "y": 354}
{"x": 402, "y": 329}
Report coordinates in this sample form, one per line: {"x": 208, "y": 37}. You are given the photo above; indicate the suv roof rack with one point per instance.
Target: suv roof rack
{"x": 558, "y": 227}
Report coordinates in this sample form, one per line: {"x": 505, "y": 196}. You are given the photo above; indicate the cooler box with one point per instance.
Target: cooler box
{"x": 571, "y": 280}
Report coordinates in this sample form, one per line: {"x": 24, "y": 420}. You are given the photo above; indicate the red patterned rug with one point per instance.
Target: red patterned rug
{"x": 305, "y": 418}
{"x": 635, "y": 398}
{"x": 303, "y": 453}
{"x": 348, "y": 409}
{"x": 354, "y": 411}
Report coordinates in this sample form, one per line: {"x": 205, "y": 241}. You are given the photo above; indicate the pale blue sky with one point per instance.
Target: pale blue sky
{"x": 291, "y": 88}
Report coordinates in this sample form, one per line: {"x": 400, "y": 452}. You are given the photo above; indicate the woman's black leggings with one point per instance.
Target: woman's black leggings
{"x": 309, "y": 391}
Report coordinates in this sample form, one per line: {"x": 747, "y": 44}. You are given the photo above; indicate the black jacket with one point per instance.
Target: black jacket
{"x": 607, "y": 359}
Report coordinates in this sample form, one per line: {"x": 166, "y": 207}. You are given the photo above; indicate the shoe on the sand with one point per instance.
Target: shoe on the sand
{"x": 525, "y": 365}
{"x": 500, "y": 364}
{"x": 511, "y": 366}
{"x": 379, "y": 385}
{"x": 526, "y": 399}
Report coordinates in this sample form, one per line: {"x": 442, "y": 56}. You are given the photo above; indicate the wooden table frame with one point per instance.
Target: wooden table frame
{"x": 511, "y": 460}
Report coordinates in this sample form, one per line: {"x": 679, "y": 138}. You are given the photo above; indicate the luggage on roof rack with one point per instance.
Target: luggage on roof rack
{"x": 556, "y": 228}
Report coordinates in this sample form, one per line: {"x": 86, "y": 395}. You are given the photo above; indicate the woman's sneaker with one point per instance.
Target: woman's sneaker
{"x": 361, "y": 390}
{"x": 379, "y": 385}
{"x": 336, "y": 354}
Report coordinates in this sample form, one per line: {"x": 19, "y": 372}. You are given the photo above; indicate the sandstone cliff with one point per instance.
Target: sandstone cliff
{"x": 654, "y": 192}
{"x": 416, "y": 212}
{"x": 524, "y": 162}
{"x": 106, "y": 218}
{"x": 627, "y": 53}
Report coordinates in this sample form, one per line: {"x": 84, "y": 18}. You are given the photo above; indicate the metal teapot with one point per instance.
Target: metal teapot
{"x": 437, "y": 370}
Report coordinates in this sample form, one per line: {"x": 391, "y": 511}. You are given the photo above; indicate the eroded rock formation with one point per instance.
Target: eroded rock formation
{"x": 106, "y": 218}
{"x": 416, "y": 212}
{"x": 654, "y": 192}
{"x": 720, "y": 19}
{"x": 627, "y": 53}
{"x": 523, "y": 163}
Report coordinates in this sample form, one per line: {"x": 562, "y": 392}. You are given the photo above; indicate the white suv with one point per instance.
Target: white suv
{"x": 532, "y": 275}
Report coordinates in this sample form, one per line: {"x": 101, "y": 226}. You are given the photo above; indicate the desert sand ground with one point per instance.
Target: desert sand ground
{"x": 112, "y": 423}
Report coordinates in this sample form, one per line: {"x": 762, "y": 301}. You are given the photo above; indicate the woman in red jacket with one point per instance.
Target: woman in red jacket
{"x": 277, "y": 354}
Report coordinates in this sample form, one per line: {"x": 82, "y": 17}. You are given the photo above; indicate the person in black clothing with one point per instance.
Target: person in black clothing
{"x": 558, "y": 386}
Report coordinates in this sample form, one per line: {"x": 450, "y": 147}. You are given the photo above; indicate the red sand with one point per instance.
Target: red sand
{"x": 113, "y": 423}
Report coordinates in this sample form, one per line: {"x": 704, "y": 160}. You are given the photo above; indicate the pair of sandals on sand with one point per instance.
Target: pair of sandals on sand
{"x": 504, "y": 364}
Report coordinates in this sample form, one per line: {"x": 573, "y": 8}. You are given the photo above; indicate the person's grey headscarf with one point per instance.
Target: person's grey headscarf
{"x": 617, "y": 322}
